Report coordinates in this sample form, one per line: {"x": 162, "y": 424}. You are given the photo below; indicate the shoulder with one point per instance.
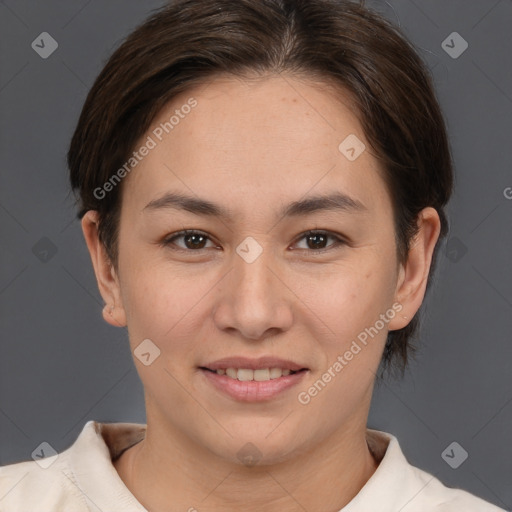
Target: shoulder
{"x": 28, "y": 486}
{"x": 410, "y": 488}
{"x": 79, "y": 479}
{"x": 448, "y": 499}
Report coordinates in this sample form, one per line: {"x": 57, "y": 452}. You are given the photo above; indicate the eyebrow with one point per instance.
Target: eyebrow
{"x": 330, "y": 202}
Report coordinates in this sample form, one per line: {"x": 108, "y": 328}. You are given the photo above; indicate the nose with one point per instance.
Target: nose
{"x": 255, "y": 300}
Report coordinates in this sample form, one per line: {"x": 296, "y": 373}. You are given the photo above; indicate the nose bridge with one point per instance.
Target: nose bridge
{"x": 254, "y": 300}
{"x": 252, "y": 274}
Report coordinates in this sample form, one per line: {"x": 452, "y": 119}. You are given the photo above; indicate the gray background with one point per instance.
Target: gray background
{"x": 62, "y": 365}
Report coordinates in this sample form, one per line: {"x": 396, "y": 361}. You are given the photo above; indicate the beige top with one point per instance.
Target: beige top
{"x": 83, "y": 479}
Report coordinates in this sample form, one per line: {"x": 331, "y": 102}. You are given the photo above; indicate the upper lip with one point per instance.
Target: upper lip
{"x": 254, "y": 364}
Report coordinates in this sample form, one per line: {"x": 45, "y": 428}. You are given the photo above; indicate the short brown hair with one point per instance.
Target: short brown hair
{"x": 340, "y": 41}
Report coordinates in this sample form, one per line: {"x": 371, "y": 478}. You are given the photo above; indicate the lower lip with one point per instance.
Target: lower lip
{"x": 253, "y": 391}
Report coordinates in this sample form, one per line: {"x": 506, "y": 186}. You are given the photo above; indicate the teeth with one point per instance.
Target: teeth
{"x": 263, "y": 374}
{"x": 231, "y": 372}
{"x": 275, "y": 373}
{"x": 246, "y": 374}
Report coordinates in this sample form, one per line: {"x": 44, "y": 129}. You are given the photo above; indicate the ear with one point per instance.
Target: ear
{"x": 412, "y": 277}
{"x": 106, "y": 277}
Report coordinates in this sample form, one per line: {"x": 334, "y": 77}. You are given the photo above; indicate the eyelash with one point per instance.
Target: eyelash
{"x": 168, "y": 241}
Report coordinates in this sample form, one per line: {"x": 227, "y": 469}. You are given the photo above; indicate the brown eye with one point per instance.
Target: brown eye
{"x": 317, "y": 241}
{"x": 192, "y": 240}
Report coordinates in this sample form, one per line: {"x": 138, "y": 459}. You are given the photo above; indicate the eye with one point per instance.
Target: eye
{"x": 193, "y": 240}
{"x": 316, "y": 240}
{"x": 197, "y": 240}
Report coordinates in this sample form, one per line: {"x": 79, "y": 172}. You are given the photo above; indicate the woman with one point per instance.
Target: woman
{"x": 262, "y": 188}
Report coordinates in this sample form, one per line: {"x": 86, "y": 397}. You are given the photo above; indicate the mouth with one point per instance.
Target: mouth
{"x": 251, "y": 380}
{"x": 248, "y": 374}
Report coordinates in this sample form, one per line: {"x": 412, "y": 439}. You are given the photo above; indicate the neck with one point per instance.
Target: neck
{"x": 324, "y": 477}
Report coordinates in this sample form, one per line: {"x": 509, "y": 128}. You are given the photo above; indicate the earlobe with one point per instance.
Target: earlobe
{"x": 413, "y": 276}
{"x": 108, "y": 283}
{"x": 111, "y": 316}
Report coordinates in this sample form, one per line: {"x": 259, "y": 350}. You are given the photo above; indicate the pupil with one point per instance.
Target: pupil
{"x": 194, "y": 236}
{"x": 322, "y": 237}
{"x": 197, "y": 240}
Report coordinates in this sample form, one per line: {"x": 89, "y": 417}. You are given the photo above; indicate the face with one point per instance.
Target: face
{"x": 254, "y": 163}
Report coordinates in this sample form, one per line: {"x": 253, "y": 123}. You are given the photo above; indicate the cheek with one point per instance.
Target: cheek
{"x": 350, "y": 296}
{"x": 164, "y": 304}
{"x": 351, "y": 306}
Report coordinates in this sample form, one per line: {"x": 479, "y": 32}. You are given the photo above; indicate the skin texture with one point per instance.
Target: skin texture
{"x": 254, "y": 146}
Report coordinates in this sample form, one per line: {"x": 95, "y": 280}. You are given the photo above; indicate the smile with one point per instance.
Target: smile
{"x": 248, "y": 385}
{"x": 247, "y": 374}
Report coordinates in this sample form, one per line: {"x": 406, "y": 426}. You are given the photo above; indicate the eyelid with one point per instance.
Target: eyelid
{"x": 168, "y": 240}
{"x": 339, "y": 240}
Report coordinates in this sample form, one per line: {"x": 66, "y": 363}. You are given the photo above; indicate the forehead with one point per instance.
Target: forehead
{"x": 255, "y": 141}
